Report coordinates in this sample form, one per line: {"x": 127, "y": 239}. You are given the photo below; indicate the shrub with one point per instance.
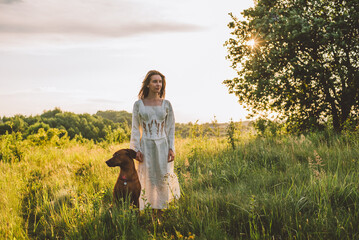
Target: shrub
{"x": 11, "y": 147}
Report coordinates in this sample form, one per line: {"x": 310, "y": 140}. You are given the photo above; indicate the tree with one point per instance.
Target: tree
{"x": 93, "y": 127}
{"x": 116, "y": 116}
{"x": 303, "y": 64}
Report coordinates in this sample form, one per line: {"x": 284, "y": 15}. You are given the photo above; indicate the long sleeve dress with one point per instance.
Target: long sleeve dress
{"x": 152, "y": 133}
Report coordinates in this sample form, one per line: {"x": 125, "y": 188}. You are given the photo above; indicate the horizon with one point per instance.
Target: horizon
{"x": 38, "y": 114}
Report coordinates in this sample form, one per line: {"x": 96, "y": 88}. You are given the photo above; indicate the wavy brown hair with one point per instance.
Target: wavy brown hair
{"x": 144, "y": 89}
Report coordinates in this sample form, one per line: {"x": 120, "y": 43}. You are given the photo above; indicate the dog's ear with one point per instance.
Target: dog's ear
{"x": 131, "y": 153}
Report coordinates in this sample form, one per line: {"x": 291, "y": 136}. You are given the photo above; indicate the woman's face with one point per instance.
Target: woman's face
{"x": 155, "y": 84}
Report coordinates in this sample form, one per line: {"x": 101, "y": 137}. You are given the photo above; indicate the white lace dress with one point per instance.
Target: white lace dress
{"x": 153, "y": 129}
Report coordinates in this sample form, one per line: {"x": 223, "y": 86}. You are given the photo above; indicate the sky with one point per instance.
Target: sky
{"x": 88, "y": 55}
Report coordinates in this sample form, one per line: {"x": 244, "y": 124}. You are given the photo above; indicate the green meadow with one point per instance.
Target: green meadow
{"x": 284, "y": 187}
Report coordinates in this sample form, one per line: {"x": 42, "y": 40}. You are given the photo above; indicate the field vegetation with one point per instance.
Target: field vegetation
{"x": 242, "y": 185}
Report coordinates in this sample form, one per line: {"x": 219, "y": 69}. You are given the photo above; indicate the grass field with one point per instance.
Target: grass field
{"x": 267, "y": 188}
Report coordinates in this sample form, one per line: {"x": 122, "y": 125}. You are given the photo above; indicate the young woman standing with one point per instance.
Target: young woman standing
{"x": 152, "y": 137}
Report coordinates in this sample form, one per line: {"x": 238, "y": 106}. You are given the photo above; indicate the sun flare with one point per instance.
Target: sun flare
{"x": 251, "y": 43}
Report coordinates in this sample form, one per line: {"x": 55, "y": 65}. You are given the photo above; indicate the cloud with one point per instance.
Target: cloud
{"x": 9, "y": 1}
{"x": 105, "y": 101}
{"x": 42, "y": 91}
{"x": 80, "y": 18}
{"x": 95, "y": 29}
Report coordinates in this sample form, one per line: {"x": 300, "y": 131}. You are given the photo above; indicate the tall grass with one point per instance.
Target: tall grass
{"x": 283, "y": 188}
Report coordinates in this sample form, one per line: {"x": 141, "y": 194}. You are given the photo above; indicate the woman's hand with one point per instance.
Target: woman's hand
{"x": 139, "y": 156}
{"x": 171, "y": 156}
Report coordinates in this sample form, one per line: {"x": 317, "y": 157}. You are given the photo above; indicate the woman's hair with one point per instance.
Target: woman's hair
{"x": 144, "y": 89}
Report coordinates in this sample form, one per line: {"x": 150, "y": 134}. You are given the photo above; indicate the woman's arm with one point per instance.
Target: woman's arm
{"x": 170, "y": 131}
{"x": 135, "y": 142}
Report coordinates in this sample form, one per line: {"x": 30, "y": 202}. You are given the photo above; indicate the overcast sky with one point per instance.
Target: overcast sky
{"x": 90, "y": 55}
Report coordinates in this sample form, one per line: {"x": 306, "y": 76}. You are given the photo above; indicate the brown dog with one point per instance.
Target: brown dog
{"x": 127, "y": 185}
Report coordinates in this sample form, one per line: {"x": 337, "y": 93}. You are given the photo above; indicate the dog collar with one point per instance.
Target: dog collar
{"x": 125, "y": 180}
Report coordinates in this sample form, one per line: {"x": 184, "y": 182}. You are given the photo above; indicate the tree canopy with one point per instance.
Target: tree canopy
{"x": 302, "y": 62}
{"x": 116, "y": 116}
{"x": 98, "y": 127}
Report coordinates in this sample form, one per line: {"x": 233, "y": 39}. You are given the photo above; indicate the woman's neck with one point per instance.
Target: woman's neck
{"x": 152, "y": 100}
{"x": 153, "y": 96}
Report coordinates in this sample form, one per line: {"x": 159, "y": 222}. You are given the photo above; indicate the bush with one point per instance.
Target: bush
{"x": 52, "y": 136}
{"x": 11, "y": 147}
{"x": 268, "y": 128}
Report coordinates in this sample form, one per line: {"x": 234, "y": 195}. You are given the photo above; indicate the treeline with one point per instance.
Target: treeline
{"x": 104, "y": 125}
{"x": 110, "y": 126}
{"x": 212, "y": 129}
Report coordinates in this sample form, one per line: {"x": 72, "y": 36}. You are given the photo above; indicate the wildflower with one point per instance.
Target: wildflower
{"x": 186, "y": 163}
{"x": 316, "y": 165}
{"x": 187, "y": 177}
{"x": 318, "y": 159}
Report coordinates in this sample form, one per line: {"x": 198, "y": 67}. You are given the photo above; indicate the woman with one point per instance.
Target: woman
{"x": 152, "y": 137}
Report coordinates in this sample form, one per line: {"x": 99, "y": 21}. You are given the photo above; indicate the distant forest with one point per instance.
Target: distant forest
{"x": 102, "y": 126}
{"x": 97, "y": 127}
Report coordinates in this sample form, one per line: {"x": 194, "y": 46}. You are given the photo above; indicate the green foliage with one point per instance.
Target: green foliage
{"x": 269, "y": 128}
{"x": 119, "y": 135}
{"x": 116, "y": 116}
{"x": 52, "y": 136}
{"x": 216, "y": 128}
{"x": 213, "y": 129}
{"x": 11, "y": 147}
{"x": 32, "y": 202}
{"x": 16, "y": 124}
{"x": 112, "y": 127}
{"x": 231, "y": 128}
{"x": 196, "y": 130}
{"x": 34, "y": 128}
{"x": 234, "y": 133}
{"x": 305, "y": 62}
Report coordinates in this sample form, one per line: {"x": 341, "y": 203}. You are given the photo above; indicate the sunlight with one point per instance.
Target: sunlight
{"x": 251, "y": 43}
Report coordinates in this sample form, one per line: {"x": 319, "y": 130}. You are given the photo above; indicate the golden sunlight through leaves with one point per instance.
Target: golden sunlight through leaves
{"x": 251, "y": 43}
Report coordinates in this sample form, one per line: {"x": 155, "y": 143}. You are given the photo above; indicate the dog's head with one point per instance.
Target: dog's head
{"x": 121, "y": 158}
